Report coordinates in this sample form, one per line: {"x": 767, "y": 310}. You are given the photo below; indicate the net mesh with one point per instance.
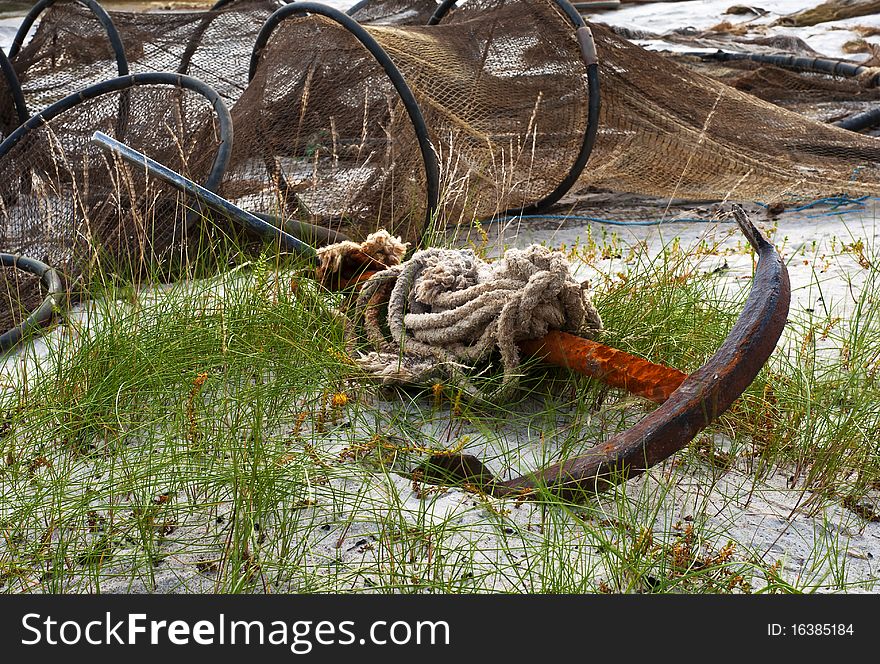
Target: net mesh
{"x": 70, "y": 204}
{"x": 20, "y": 294}
{"x": 8, "y": 116}
{"x": 69, "y": 48}
{"x": 321, "y": 132}
{"x": 667, "y": 131}
{"x": 321, "y": 135}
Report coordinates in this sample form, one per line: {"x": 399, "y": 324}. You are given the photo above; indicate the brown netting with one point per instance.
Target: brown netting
{"x": 819, "y": 95}
{"x": 504, "y": 93}
{"x": 20, "y": 294}
{"x": 70, "y": 49}
{"x": 68, "y": 203}
{"x": 321, "y": 135}
{"x": 9, "y": 89}
{"x": 668, "y": 131}
{"x": 8, "y": 115}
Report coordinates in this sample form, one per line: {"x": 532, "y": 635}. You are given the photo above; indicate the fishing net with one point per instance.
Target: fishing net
{"x": 73, "y": 46}
{"x": 503, "y": 95}
{"x": 782, "y": 69}
{"x": 668, "y": 131}
{"x": 323, "y": 133}
{"x": 67, "y": 203}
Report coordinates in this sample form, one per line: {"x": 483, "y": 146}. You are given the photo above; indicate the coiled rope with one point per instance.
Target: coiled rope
{"x": 448, "y": 310}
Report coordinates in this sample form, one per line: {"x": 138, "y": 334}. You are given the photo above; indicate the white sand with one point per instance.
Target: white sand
{"x": 824, "y": 549}
{"x": 826, "y": 38}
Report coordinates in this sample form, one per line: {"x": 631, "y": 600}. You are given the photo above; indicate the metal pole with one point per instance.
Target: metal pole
{"x": 208, "y": 198}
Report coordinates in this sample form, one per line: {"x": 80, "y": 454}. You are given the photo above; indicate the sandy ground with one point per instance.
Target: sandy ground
{"x": 766, "y": 518}
{"x": 822, "y": 549}
{"x": 659, "y": 18}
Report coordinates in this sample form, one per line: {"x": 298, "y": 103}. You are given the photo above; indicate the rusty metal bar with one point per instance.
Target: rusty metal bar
{"x": 613, "y": 367}
{"x": 698, "y": 401}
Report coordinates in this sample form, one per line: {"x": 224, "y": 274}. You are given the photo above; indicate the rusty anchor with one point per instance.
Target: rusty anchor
{"x": 687, "y": 407}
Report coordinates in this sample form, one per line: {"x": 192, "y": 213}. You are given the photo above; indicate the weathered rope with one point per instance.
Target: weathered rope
{"x": 448, "y": 310}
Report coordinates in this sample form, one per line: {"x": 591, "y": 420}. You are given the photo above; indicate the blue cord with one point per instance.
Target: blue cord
{"x": 835, "y": 202}
{"x": 612, "y": 222}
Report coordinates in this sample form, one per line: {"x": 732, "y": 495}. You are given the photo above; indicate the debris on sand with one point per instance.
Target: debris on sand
{"x": 744, "y": 10}
{"x": 833, "y": 10}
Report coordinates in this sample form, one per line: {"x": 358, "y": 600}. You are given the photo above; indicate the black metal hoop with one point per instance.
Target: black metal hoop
{"x": 96, "y": 9}
{"x": 50, "y": 304}
{"x": 429, "y": 155}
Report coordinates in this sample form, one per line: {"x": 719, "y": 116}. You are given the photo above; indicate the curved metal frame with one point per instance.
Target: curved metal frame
{"x": 122, "y": 83}
{"x": 207, "y": 18}
{"x": 42, "y": 314}
{"x": 14, "y": 88}
{"x": 429, "y": 155}
{"x": 96, "y": 9}
{"x": 857, "y": 122}
{"x": 588, "y": 54}
{"x": 700, "y": 399}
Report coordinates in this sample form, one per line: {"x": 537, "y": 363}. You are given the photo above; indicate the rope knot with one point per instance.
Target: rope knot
{"x": 444, "y": 271}
{"x": 449, "y": 309}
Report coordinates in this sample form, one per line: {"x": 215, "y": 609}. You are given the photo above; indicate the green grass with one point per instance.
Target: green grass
{"x": 195, "y": 437}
